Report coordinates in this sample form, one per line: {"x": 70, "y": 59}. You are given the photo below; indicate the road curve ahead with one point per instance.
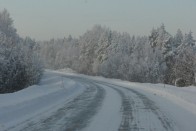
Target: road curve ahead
{"x": 104, "y": 106}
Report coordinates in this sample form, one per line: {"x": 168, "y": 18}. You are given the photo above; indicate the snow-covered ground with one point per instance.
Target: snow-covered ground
{"x": 183, "y": 96}
{"x": 36, "y": 101}
{"x": 63, "y": 94}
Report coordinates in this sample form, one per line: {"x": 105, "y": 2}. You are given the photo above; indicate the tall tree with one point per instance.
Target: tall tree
{"x": 19, "y": 66}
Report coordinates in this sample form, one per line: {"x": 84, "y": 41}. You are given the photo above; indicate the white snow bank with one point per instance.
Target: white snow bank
{"x": 67, "y": 70}
{"x": 187, "y": 94}
{"x": 182, "y": 96}
{"x": 53, "y": 90}
{"x": 62, "y": 71}
{"x": 178, "y": 104}
{"x": 46, "y": 87}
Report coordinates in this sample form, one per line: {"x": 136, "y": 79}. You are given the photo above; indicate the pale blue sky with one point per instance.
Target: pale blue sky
{"x": 45, "y": 19}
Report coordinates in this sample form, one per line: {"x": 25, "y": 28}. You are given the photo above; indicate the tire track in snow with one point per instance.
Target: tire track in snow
{"x": 74, "y": 115}
{"x": 139, "y": 113}
{"x": 135, "y": 106}
{"x": 167, "y": 124}
{"x": 128, "y": 122}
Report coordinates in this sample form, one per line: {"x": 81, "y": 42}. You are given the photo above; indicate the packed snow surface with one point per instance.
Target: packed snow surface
{"x": 64, "y": 100}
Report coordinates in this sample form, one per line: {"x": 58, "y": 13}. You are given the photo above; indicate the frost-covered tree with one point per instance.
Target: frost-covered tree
{"x": 178, "y": 38}
{"x": 184, "y": 67}
{"x": 161, "y": 39}
{"x": 101, "y": 51}
{"x": 188, "y": 40}
{"x": 19, "y": 66}
{"x": 94, "y": 46}
{"x": 60, "y": 53}
{"x": 6, "y": 25}
{"x": 161, "y": 42}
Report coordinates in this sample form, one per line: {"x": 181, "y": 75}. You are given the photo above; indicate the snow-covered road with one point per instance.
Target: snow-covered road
{"x": 71, "y": 102}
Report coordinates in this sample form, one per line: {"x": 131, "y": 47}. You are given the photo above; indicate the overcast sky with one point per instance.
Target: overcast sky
{"x": 45, "y": 19}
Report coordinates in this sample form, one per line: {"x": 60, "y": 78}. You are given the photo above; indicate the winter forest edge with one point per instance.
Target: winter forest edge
{"x": 20, "y": 65}
{"x": 158, "y": 58}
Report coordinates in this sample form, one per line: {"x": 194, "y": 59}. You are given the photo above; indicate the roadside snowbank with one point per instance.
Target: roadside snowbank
{"x": 179, "y": 104}
{"x": 55, "y": 89}
{"x": 185, "y": 97}
{"x": 52, "y": 91}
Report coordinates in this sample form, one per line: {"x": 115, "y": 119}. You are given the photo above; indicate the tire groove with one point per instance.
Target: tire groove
{"x": 74, "y": 115}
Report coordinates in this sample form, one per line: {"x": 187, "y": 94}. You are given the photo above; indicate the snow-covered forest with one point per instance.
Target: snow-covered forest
{"x": 102, "y": 80}
{"x": 158, "y": 58}
{"x": 20, "y": 65}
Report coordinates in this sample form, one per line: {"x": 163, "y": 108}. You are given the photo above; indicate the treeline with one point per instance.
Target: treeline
{"x": 20, "y": 65}
{"x": 158, "y": 58}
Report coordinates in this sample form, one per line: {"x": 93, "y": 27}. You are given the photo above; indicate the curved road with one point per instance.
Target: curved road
{"x": 105, "y": 107}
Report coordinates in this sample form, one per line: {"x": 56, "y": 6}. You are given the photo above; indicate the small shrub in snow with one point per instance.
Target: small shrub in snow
{"x": 180, "y": 82}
